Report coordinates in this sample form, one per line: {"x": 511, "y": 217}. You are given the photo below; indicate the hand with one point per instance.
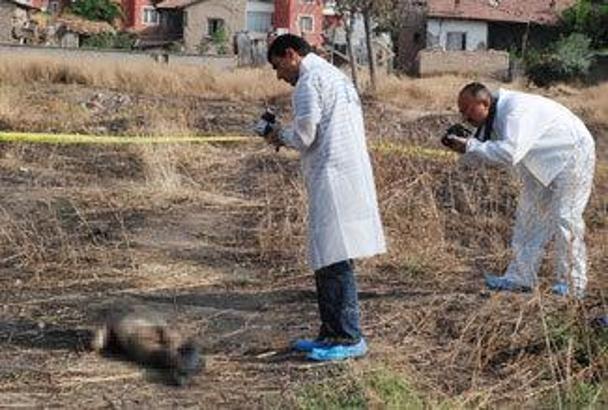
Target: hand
{"x": 273, "y": 138}
{"x": 455, "y": 143}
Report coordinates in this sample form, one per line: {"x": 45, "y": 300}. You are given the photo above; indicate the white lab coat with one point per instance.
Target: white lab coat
{"x": 344, "y": 221}
{"x": 554, "y": 155}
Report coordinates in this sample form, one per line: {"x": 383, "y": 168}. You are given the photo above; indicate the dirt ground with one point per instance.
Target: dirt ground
{"x": 213, "y": 236}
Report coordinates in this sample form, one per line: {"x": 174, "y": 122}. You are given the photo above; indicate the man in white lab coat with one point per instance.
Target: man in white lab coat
{"x": 554, "y": 155}
{"x": 344, "y": 221}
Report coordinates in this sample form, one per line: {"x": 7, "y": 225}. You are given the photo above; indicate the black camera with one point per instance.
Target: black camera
{"x": 266, "y": 123}
{"x": 458, "y": 130}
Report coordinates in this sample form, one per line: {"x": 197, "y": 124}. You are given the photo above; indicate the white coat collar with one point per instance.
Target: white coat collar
{"x": 308, "y": 62}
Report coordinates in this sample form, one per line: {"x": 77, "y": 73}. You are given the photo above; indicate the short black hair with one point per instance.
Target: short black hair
{"x": 279, "y": 46}
{"x": 477, "y": 90}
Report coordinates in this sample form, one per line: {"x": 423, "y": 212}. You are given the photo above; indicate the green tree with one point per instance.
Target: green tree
{"x": 99, "y": 10}
{"x": 588, "y": 17}
{"x": 567, "y": 59}
{"x": 220, "y": 40}
{"x": 370, "y": 10}
{"x": 110, "y": 40}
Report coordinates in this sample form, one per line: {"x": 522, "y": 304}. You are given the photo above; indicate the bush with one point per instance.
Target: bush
{"x": 110, "y": 40}
{"x": 97, "y": 10}
{"x": 566, "y": 60}
{"x": 589, "y": 17}
{"x": 220, "y": 40}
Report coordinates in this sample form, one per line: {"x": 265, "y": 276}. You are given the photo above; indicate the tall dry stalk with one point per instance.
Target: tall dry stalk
{"x": 143, "y": 78}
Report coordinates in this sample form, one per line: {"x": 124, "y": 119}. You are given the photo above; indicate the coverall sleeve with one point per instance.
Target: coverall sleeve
{"x": 307, "y": 106}
{"x": 516, "y": 136}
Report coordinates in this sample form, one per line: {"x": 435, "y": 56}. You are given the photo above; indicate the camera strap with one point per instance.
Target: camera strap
{"x": 488, "y": 127}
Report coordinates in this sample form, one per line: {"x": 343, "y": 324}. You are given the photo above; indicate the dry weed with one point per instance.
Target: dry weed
{"x": 592, "y": 102}
{"x": 160, "y": 167}
{"x": 143, "y": 78}
{"x": 436, "y": 94}
{"x": 10, "y": 107}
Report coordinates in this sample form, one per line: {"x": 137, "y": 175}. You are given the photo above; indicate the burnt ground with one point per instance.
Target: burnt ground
{"x": 217, "y": 242}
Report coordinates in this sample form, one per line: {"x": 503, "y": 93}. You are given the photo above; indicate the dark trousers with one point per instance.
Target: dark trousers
{"x": 338, "y": 303}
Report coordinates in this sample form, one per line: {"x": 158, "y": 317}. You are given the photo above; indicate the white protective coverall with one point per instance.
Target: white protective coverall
{"x": 554, "y": 154}
{"x": 344, "y": 221}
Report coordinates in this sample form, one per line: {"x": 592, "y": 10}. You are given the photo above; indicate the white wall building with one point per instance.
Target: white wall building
{"x": 454, "y": 35}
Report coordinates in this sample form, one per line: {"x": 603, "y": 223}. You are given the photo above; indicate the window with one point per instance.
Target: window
{"x": 150, "y": 15}
{"x": 214, "y": 26}
{"x": 456, "y": 40}
{"x": 259, "y": 21}
{"x": 54, "y": 7}
{"x": 306, "y": 24}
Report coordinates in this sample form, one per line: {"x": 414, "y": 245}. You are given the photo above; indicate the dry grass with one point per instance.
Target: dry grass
{"x": 142, "y": 78}
{"x": 591, "y": 102}
{"x": 22, "y": 107}
{"x": 8, "y": 103}
{"x": 82, "y": 214}
{"x": 160, "y": 167}
{"x": 428, "y": 94}
{"x": 445, "y": 224}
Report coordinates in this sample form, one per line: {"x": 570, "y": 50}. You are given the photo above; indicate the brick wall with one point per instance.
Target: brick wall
{"x": 315, "y": 11}
{"x": 287, "y": 15}
{"x": 491, "y": 63}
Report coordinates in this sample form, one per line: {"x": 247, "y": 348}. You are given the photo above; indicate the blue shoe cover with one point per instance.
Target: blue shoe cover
{"x": 338, "y": 352}
{"x": 501, "y": 283}
{"x": 602, "y": 321}
{"x": 562, "y": 289}
{"x": 307, "y": 345}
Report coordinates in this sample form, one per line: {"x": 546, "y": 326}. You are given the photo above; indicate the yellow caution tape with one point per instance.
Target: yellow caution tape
{"x": 49, "y": 138}
{"x": 106, "y": 139}
{"x": 378, "y": 146}
{"x": 413, "y": 151}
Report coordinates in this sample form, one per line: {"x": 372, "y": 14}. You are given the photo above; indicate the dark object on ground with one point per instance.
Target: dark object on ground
{"x": 142, "y": 335}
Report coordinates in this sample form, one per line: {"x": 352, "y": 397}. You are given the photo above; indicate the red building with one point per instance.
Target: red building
{"x": 140, "y": 15}
{"x": 301, "y": 17}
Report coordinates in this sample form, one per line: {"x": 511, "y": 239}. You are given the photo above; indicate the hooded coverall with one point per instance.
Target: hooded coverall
{"x": 554, "y": 155}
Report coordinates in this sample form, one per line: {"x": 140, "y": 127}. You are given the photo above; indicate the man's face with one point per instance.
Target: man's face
{"x": 474, "y": 111}
{"x": 287, "y": 67}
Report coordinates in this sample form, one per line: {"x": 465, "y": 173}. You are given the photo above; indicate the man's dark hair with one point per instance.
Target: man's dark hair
{"x": 279, "y": 46}
{"x": 477, "y": 90}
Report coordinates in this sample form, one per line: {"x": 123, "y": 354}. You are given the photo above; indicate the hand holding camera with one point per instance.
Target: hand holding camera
{"x": 268, "y": 128}
{"x": 455, "y": 138}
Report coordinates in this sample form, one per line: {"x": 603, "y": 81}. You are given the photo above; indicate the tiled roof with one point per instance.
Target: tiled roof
{"x": 516, "y": 11}
{"x": 175, "y": 4}
{"x": 80, "y": 25}
{"x": 24, "y": 3}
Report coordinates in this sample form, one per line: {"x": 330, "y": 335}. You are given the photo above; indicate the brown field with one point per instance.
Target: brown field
{"x": 214, "y": 235}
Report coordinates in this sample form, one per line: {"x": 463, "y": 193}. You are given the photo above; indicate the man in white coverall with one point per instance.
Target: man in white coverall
{"x": 344, "y": 221}
{"x": 554, "y": 155}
